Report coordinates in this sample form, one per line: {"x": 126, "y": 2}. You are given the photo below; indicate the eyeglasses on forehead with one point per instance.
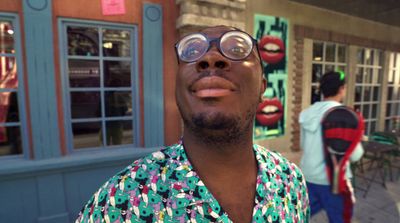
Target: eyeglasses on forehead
{"x": 235, "y": 45}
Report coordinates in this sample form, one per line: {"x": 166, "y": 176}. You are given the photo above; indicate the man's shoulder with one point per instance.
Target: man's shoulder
{"x": 152, "y": 163}
{"x": 276, "y": 161}
{"x": 166, "y": 152}
{"x": 144, "y": 169}
{"x": 283, "y": 181}
{"x": 271, "y": 154}
{"x": 311, "y": 107}
{"x": 134, "y": 185}
{"x": 317, "y": 110}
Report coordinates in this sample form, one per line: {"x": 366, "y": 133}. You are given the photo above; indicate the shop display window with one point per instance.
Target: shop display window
{"x": 100, "y": 83}
{"x": 12, "y": 121}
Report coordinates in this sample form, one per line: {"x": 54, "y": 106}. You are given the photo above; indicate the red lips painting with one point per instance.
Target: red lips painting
{"x": 272, "y": 35}
{"x": 269, "y": 112}
{"x": 272, "y": 49}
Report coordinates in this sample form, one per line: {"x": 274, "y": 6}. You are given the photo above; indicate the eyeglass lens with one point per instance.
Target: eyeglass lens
{"x": 192, "y": 47}
{"x": 234, "y": 45}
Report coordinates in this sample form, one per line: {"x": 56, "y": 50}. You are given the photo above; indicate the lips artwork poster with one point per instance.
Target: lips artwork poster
{"x": 272, "y": 35}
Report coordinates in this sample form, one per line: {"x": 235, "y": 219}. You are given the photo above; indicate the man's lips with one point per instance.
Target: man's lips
{"x": 269, "y": 112}
{"x": 272, "y": 49}
{"x": 212, "y": 87}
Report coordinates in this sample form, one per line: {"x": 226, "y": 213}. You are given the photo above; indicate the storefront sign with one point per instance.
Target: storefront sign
{"x": 113, "y": 7}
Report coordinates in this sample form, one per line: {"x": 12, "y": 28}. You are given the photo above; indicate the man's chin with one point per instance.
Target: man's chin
{"x": 219, "y": 128}
{"x": 215, "y": 128}
{"x": 215, "y": 121}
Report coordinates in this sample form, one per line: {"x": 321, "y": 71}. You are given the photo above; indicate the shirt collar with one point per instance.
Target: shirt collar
{"x": 180, "y": 189}
{"x": 201, "y": 195}
{"x": 195, "y": 197}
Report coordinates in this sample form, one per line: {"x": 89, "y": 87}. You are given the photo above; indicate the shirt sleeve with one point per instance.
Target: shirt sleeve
{"x": 96, "y": 209}
{"x": 306, "y": 203}
{"x": 84, "y": 214}
{"x": 303, "y": 206}
{"x": 357, "y": 154}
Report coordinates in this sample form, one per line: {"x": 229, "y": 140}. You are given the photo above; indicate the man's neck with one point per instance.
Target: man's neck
{"x": 207, "y": 156}
{"x": 228, "y": 170}
{"x": 336, "y": 98}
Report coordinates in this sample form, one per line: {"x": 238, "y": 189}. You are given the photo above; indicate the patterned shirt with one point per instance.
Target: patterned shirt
{"x": 164, "y": 187}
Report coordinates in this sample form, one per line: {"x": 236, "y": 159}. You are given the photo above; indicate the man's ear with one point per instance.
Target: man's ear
{"x": 343, "y": 90}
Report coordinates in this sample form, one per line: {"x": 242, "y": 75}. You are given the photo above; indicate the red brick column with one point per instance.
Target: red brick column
{"x": 297, "y": 90}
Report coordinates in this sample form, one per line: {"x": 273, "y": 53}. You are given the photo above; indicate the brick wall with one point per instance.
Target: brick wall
{"x": 198, "y": 14}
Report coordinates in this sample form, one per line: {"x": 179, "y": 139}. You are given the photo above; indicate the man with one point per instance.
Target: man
{"x": 215, "y": 174}
{"x": 332, "y": 86}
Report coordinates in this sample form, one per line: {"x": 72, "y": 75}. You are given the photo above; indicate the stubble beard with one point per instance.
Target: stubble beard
{"x": 219, "y": 129}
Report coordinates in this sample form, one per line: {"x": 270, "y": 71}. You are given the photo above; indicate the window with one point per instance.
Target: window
{"x": 368, "y": 86}
{"x": 392, "y": 117}
{"x": 100, "y": 82}
{"x": 12, "y": 124}
{"x": 326, "y": 57}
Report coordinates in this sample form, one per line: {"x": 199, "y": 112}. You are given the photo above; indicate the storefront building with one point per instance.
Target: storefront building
{"x": 86, "y": 87}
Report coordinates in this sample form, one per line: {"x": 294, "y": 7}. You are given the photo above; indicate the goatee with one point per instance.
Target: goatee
{"x": 220, "y": 128}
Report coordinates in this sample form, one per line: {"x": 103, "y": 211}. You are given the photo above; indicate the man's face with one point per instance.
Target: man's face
{"x": 216, "y": 93}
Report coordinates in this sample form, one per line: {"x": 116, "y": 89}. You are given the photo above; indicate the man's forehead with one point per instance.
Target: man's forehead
{"x": 216, "y": 31}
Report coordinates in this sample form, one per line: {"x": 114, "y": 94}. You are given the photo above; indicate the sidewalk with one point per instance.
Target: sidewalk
{"x": 379, "y": 206}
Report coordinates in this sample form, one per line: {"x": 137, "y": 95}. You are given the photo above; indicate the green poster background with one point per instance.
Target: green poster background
{"x": 272, "y": 35}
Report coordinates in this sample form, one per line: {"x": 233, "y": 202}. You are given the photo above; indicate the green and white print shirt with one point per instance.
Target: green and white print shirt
{"x": 164, "y": 187}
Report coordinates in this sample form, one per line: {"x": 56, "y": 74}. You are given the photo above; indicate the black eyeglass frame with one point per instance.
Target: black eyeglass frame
{"x": 218, "y": 45}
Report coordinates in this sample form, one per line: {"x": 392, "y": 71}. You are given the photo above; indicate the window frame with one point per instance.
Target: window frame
{"x": 394, "y": 68}
{"x": 13, "y": 18}
{"x": 323, "y": 62}
{"x": 379, "y": 67}
{"x": 63, "y": 23}
{"x": 377, "y": 82}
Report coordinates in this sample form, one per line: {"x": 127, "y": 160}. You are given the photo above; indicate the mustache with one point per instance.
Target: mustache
{"x": 206, "y": 73}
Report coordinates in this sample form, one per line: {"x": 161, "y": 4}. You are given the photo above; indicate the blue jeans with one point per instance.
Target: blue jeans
{"x": 338, "y": 207}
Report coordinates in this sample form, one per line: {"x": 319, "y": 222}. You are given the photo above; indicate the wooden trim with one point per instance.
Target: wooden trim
{"x": 380, "y": 124}
{"x": 153, "y": 75}
{"x": 172, "y": 119}
{"x": 41, "y": 80}
{"x": 302, "y": 32}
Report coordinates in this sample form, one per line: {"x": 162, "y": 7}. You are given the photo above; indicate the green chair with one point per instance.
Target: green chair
{"x": 390, "y": 139}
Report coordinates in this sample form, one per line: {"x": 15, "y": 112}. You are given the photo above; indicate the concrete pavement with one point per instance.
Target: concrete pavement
{"x": 381, "y": 205}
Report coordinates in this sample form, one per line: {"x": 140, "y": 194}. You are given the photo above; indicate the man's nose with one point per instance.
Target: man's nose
{"x": 213, "y": 59}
